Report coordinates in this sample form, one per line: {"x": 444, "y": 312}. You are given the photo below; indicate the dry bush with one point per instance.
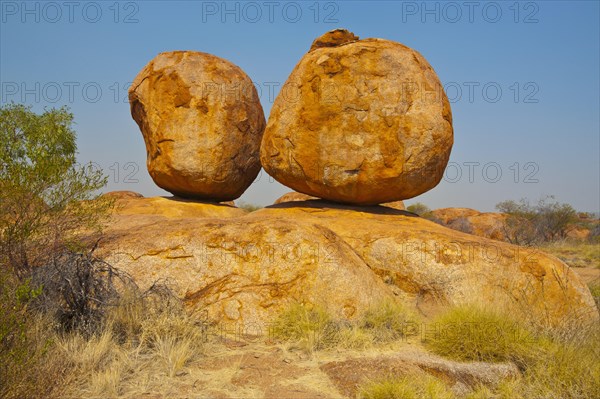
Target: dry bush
{"x": 594, "y": 236}
{"x": 78, "y": 288}
{"x": 90, "y": 332}
{"x": 594, "y": 287}
{"x": 146, "y": 341}
{"x": 461, "y": 224}
{"x": 520, "y": 230}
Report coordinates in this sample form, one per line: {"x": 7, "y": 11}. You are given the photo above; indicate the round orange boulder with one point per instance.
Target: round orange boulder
{"x": 202, "y": 123}
{"x": 359, "y": 121}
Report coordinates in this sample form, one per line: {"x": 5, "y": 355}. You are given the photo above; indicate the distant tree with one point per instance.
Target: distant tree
{"x": 45, "y": 197}
{"x": 548, "y": 220}
{"x": 554, "y": 219}
{"x": 512, "y": 207}
{"x": 519, "y": 227}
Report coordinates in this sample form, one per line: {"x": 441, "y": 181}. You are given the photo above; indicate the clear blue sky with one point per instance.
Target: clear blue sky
{"x": 542, "y": 57}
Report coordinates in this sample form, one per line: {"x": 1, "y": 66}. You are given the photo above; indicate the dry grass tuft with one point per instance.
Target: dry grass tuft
{"x": 311, "y": 328}
{"x": 410, "y": 387}
{"x": 387, "y": 321}
{"x": 473, "y": 333}
{"x": 555, "y": 364}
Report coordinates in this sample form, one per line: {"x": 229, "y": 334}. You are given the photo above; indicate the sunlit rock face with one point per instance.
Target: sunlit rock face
{"x": 248, "y": 267}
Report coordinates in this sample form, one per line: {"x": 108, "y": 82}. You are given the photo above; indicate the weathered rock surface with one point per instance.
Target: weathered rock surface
{"x": 293, "y": 196}
{"x": 240, "y": 269}
{"x": 334, "y": 38}
{"x": 202, "y": 123}
{"x": 359, "y": 121}
{"x": 484, "y": 224}
{"x": 399, "y": 205}
{"x": 171, "y": 208}
{"x": 246, "y": 268}
{"x": 348, "y": 375}
{"x": 430, "y": 264}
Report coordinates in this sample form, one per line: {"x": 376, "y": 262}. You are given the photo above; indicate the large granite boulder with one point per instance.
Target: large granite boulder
{"x": 359, "y": 121}
{"x": 202, "y": 123}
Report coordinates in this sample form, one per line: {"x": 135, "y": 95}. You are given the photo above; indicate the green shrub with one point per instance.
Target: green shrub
{"x": 14, "y": 318}
{"x": 27, "y": 365}
{"x": 45, "y": 196}
{"x": 48, "y": 206}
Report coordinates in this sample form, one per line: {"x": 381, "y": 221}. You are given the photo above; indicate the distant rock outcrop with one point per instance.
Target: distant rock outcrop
{"x": 484, "y": 224}
{"x": 202, "y": 123}
{"x": 122, "y": 194}
{"x": 399, "y": 205}
{"x": 359, "y": 121}
{"x": 293, "y": 196}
